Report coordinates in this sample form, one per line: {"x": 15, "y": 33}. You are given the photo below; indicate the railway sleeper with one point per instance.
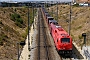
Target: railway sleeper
{"x": 67, "y": 53}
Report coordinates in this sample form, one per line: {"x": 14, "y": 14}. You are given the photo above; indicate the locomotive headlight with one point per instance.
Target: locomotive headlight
{"x": 63, "y": 48}
{"x": 70, "y": 49}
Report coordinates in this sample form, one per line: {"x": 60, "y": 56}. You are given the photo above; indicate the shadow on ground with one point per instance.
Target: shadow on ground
{"x": 77, "y": 53}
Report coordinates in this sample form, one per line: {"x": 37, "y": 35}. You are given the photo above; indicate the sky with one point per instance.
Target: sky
{"x": 33, "y": 0}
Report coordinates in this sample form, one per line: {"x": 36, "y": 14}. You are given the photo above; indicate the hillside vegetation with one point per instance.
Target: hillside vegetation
{"x": 13, "y": 29}
{"x": 79, "y": 22}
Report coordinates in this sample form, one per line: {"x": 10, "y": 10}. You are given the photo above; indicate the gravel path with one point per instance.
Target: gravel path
{"x": 25, "y": 55}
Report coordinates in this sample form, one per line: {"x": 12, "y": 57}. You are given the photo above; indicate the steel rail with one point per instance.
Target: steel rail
{"x": 45, "y": 38}
{"x": 41, "y": 22}
{"x": 38, "y": 37}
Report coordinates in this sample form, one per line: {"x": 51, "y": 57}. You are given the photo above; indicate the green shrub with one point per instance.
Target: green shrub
{"x": 15, "y": 9}
{"x": 80, "y": 37}
{"x": 31, "y": 21}
{"x": 18, "y": 24}
{"x": 17, "y": 19}
{"x": 24, "y": 35}
{"x": 15, "y": 16}
{"x": 79, "y": 27}
{"x": 12, "y": 17}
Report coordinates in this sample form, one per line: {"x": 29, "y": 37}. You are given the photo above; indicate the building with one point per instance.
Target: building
{"x": 83, "y": 1}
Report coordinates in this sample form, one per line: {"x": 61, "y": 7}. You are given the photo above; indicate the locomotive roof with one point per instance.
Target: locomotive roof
{"x": 52, "y": 21}
{"x": 63, "y": 33}
{"x": 45, "y": 10}
{"x": 49, "y": 17}
{"x": 58, "y": 26}
{"x": 47, "y": 14}
{"x": 60, "y": 30}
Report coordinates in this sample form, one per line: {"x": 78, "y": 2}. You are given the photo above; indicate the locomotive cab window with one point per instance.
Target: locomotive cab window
{"x": 55, "y": 23}
{"x": 65, "y": 40}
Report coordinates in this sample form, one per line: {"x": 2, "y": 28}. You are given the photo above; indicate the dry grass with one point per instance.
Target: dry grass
{"x": 10, "y": 33}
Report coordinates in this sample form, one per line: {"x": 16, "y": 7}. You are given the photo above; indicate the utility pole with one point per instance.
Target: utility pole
{"x": 44, "y": 5}
{"x": 70, "y": 20}
{"x": 57, "y": 11}
{"x": 28, "y": 27}
{"x": 84, "y": 35}
{"x": 52, "y": 9}
{"x": 47, "y": 4}
{"x": 22, "y": 43}
{"x": 33, "y": 15}
{"x": 18, "y": 50}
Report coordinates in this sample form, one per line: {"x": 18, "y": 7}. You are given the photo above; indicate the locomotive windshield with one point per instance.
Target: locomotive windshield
{"x": 65, "y": 40}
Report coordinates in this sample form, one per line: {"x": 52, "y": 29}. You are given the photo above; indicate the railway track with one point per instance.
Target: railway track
{"x": 65, "y": 58}
{"x": 45, "y": 48}
{"x": 42, "y": 39}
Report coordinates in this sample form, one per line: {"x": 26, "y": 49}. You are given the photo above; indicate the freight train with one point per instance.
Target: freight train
{"x": 62, "y": 40}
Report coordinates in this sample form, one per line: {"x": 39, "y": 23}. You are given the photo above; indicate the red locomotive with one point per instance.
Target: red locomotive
{"x": 62, "y": 40}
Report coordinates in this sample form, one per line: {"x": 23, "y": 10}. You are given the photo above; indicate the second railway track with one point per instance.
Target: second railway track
{"x": 42, "y": 39}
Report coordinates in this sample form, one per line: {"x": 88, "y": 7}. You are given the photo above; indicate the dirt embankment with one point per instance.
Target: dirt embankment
{"x": 13, "y": 29}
